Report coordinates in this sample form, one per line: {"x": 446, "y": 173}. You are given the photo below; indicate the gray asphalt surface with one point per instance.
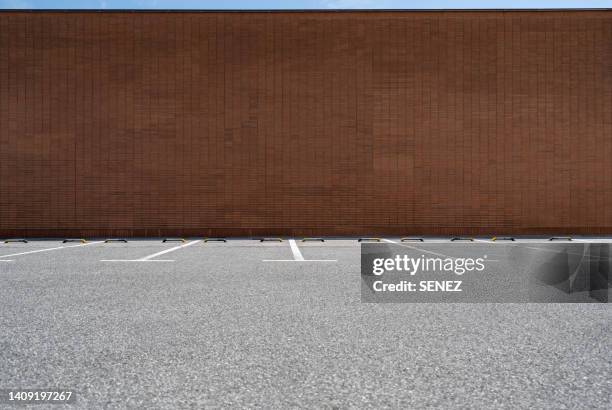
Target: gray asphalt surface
{"x": 218, "y": 327}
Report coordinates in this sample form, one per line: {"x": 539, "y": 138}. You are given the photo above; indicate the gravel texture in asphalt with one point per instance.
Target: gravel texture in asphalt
{"x": 241, "y": 324}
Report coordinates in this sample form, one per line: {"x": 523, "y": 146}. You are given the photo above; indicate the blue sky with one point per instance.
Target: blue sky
{"x": 299, "y": 4}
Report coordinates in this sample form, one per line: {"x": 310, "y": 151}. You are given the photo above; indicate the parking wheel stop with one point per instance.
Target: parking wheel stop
{"x": 15, "y": 241}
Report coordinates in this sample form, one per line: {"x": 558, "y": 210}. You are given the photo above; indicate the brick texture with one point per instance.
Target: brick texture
{"x": 309, "y": 123}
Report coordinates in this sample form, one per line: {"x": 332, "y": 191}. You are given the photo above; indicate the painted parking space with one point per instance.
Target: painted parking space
{"x": 298, "y": 256}
{"x": 40, "y": 248}
{"x": 159, "y": 256}
{"x": 289, "y": 250}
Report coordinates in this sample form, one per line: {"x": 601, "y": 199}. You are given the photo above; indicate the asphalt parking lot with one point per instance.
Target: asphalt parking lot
{"x": 277, "y": 324}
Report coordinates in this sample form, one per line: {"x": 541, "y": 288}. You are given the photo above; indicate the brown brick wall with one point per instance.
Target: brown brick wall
{"x": 308, "y": 123}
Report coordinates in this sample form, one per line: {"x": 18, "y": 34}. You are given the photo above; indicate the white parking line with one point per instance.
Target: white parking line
{"x": 426, "y": 251}
{"x": 293, "y": 260}
{"x": 49, "y": 249}
{"x": 150, "y": 257}
{"x": 297, "y": 255}
{"x": 10, "y": 260}
{"x": 136, "y": 260}
{"x": 176, "y": 248}
{"x": 416, "y": 249}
